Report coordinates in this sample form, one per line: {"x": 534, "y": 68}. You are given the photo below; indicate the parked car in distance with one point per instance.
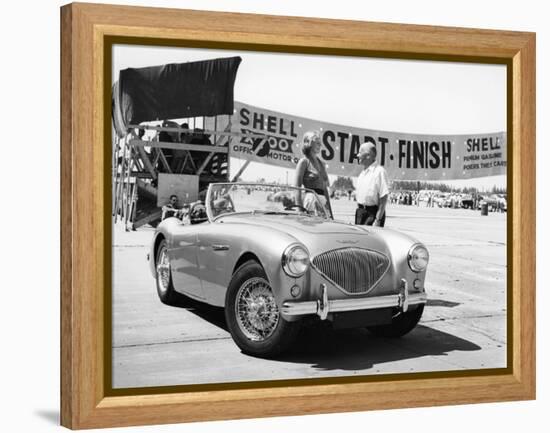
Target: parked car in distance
{"x": 466, "y": 201}
{"x": 494, "y": 203}
{"x": 440, "y": 199}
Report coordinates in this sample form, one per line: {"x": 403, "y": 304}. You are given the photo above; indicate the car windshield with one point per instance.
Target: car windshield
{"x": 226, "y": 198}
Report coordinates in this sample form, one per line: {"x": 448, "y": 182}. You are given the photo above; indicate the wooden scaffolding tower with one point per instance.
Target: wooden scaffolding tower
{"x": 139, "y": 159}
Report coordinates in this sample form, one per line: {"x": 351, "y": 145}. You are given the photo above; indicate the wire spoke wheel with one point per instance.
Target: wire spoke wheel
{"x": 252, "y": 315}
{"x": 163, "y": 271}
{"x": 165, "y": 285}
{"x": 256, "y": 311}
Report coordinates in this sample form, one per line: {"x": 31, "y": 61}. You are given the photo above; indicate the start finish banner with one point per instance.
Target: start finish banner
{"x": 405, "y": 156}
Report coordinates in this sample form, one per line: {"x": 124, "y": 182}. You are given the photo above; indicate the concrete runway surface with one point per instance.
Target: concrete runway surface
{"x": 463, "y": 326}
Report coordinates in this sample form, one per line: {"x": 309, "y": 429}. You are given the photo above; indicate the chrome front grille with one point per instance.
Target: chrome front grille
{"x": 354, "y": 270}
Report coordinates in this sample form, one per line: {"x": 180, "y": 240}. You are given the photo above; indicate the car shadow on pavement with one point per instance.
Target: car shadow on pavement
{"x": 327, "y": 349}
{"x": 356, "y": 349}
{"x": 213, "y": 315}
{"x": 442, "y": 303}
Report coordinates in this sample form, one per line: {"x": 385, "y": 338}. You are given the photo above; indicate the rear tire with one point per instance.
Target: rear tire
{"x": 401, "y": 325}
{"x": 165, "y": 285}
{"x": 252, "y": 314}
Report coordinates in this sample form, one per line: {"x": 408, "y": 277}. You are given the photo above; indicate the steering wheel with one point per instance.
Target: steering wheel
{"x": 296, "y": 206}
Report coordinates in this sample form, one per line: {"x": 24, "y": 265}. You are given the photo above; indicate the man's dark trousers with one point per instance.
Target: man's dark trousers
{"x": 365, "y": 215}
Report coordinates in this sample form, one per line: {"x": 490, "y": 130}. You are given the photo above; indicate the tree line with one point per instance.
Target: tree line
{"x": 343, "y": 183}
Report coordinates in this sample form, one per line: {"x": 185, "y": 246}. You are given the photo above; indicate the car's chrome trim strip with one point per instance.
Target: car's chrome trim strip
{"x": 219, "y": 247}
{"x": 319, "y": 307}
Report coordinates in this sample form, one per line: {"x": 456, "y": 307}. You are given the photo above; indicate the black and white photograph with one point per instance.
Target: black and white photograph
{"x": 280, "y": 216}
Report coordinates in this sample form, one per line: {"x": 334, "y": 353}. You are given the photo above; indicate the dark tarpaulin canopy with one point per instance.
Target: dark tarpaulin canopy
{"x": 173, "y": 91}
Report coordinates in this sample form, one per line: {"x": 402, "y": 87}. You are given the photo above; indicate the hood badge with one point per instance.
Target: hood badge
{"x": 347, "y": 242}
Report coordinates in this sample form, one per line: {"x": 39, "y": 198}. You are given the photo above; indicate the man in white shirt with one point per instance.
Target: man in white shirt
{"x": 171, "y": 209}
{"x": 372, "y": 188}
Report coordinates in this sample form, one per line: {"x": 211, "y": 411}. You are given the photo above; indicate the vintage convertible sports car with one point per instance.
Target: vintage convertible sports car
{"x": 271, "y": 262}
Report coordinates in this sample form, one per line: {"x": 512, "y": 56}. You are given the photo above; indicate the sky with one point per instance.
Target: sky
{"x": 422, "y": 97}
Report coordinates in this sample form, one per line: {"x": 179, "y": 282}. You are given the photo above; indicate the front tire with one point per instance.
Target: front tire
{"x": 252, "y": 314}
{"x": 401, "y": 325}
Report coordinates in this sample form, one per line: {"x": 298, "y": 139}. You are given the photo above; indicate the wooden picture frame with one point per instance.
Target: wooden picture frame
{"x": 88, "y": 31}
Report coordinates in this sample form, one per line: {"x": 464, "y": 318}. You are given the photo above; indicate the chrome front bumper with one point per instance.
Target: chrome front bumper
{"x": 323, "y": 306}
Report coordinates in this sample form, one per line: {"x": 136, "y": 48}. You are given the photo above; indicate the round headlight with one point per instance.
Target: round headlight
{"x": 295, "y": 260}
{"x": 418, "y": 258}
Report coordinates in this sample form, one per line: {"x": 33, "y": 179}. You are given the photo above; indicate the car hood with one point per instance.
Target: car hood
{"x": 296, "y": 224}
{"x": 319, "y": 234}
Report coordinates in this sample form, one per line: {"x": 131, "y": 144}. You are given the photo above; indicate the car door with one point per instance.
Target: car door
{"x": 215, "y": 258}
{"x": 185, "y": 269}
